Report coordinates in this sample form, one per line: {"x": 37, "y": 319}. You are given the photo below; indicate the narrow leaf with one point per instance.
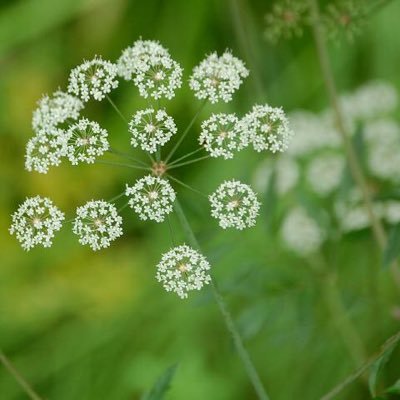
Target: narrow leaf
{"x": 376, "y": 369}
{"x": 395, "y": 388}
{"x": 392, "y": 250}
{"x": 162, "y": 385}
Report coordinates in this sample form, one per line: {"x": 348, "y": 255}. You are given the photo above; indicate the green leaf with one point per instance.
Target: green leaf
{"x": 392, "y": 250}
{"x": 162, "y": 385}
{"x": 395, "y": 388}
{"x": 376, "y": 368}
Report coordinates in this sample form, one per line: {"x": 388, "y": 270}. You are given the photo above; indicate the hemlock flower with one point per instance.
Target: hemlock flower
{"x": 268, "y": 128}
{"x": 182, "y": 270}
{"x": 97, "y": 224}
{"x": 158, "y": 76}
{"x": 300, "y": 233}
{"x": 134, "y": 59}
{"x": 217, "y": 78}
{"x": 93, "y": 79}
{"x": 35, "y": 222}
{"x": 86, "y": 140}
{"x": 151, "y": 198}
{"x": 221, "y": 135}
{"x": 151, "y": 128}
{"x": 45, "y": 149}
{"x": 234, "y": 205}
{"x": 55, "y": 109}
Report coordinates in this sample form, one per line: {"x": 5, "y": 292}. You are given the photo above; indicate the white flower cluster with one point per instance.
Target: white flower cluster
{"x": 97, "y": 224}
{"x": 55, "y": 110}
{"x": 45, "y": 149}
{"x": 221, "y": 135}
{"x": 234, "y": 205}
{"x": 151, "y": 128}
{"x": 183, "y": 269}
{"x": 86, "y": 140}
{"x": 93, "y": 79}
{"x": 217, "y": 78}
{"x": 151, "y": 68}
{"x": 300, "y": 233}
{"x": 35, "y": 222}
{"x": 151, "y": 197}
{"x": 268, "y": 128}
{"x": 134, "y": 59}
{"x": 325, "y": 172}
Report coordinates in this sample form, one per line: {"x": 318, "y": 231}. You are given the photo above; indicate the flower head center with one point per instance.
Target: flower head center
{"x": 234, "y": 203}
{"x": 223, "y": 134}
{"x": 153, "y": 195}
{"x": 159, "y": 168}
{"x": 98, "y": 222}
{"x": 158, "y": 76}
{"x": 183, "y": 267}
{"x": 36, "y": 222}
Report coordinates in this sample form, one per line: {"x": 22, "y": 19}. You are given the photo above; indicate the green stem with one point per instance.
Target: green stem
{"x": 186, "y": 156}
{"x": 186, "y": 186}
{"x": 188, "y": 162}
{"x": 118, "y": 164}
{"x": 390, "y": 343}
{"x": 227, "y": 317}
{"x": 116, "y": 109}
{"x": 18, "y": 377}
{"x": 186, "y": 131}
{"x": 126, "y": 155}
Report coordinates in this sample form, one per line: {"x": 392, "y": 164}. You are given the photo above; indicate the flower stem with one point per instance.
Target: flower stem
{"x": 186, "y": 131}
{"x": 116, "y": 109}
{"x": 390, "y": 343}
{"x": 186, "y": 186}
{"x": 188, "y": 162}
{"x": 18, "y": 377}
{"x": 126, "y": 155}
{"x": 186, "y": 156}
{"x": 227, "y": 317}
{"x": 118, "y": 164}
{"x": 353, "y": 161}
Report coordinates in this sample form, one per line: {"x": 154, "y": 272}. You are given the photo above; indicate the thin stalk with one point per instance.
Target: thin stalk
{"x": 116, "y": 197}
{"x": 126, "y": 155}
{"x": 227, "y": 317}
{"x": 171, "y": 153}
{"x": 18, "y": 377}
{"x": 123, "y": 207}
{"x": 118, "y": 164}
{"x": 188, "y": 162}
{"x": 391, "y": 342}
{"x": 186, "y": 156}
{"x": 171, "y": 232}
{"x": 117, "y": 109}
{"x": 186, "y": 186}
{"x": 353, "y": 161}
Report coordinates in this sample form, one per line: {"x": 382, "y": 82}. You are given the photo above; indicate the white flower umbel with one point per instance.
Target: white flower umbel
{"x": 55, "y": 109}
{"x": 35, "y": 222}
{"x": 133, "y": 59}
{"x": 217, "y": 78}
{"x": 234, "y": 205}
{"x": 158, "y": 76}
{"x": 93, "y": 79}
{"x": 151, "y": 197}
{"x": 325, "y": 172}
{"x": 392, "y": 212}
{"x": 221, "y": 135}
{"x": 268, "y": 128}
{"x": 182, "y": 270}
{"x": 300, "y": 233}
{"x": 46, "y": 149}
{"x": 86, "y": 140}
{"x": 151, "y": 128}
{"x": 97, "y": 224}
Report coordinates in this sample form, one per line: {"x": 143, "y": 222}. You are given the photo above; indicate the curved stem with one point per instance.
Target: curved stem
{"x": 18, "y": 377}
{"x": 186, "y": 131}
{"x": 353, "y": 161}
{"x": 227, "y": 317}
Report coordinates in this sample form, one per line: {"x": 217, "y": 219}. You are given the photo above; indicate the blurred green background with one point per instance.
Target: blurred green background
{"x": 84, "y": 325}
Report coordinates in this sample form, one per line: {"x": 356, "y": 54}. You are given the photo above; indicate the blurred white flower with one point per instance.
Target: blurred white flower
{"x": 217, "y": 78}
{"x": 151, "y": 128}
{"x": 392, "y": 212}
{"x": 86, "y": 140}
{"x": 221, "y": 135}
{"x": 268, "y": 128}
{"x": 35, "y": 222}
{"x": 324, "y": 173}
{"x": 134, "y": 59}
{"x": 45, "y": 149}
{"x": 183, "y": 269}
{"x": 300, "y": 233}
{"x": 54, "y": 110}
{"x": 93, "y": 79}
{"x": 151, "y": 197}
{"x": 234, "y": 205}
{"x": 97, "y": 224}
